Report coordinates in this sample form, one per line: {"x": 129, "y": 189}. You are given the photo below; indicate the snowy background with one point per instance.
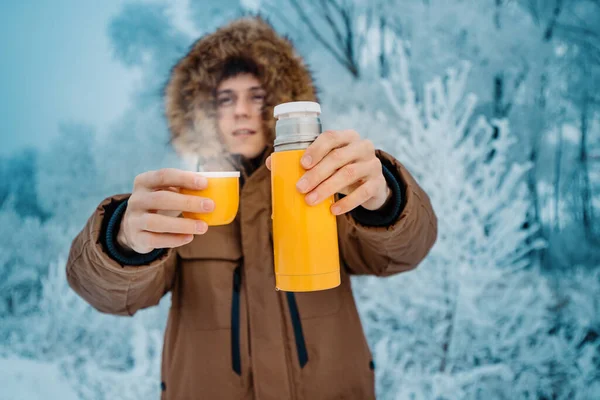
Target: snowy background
{"x": 493, "y": 104}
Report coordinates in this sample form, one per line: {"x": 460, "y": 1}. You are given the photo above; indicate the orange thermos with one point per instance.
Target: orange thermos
{"x": 304, "y": 237}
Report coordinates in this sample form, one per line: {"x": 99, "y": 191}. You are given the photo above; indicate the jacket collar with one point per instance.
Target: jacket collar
{"x": 248, "y": 166}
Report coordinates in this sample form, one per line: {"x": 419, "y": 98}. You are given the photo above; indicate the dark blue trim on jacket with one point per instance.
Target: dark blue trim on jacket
{"x": 392, "y": 209}
{"x": 114, "y": 216}
{"x": 236, "y": 359}
{"x": 298, "y": 333}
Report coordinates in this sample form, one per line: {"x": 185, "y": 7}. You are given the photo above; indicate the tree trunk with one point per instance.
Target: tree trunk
{"x": 342, "y": 48}
{"x": 552, "y": 23}
{"x": 497, "y": 14}
{"x": 557, "y": 171}
{"x": 383, "y": 65}
{"x": 498, "y": 95}
{"x": 499, "y": 77}
{"x": 449, "y": 319}
{"x": 588, "y": 217}
{"x": 532, "y": 175}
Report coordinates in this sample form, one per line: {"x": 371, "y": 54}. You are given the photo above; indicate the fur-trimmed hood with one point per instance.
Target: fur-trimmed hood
{"x": 189, "y": 96}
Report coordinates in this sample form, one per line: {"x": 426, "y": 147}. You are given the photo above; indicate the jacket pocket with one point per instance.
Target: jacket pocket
{"x": 236, "y": 361}
{"x": 322, "y": 303}
{"x": 203, "y": 294}
{"x": 298, "y": 333}
{"x": 202, "y": 290}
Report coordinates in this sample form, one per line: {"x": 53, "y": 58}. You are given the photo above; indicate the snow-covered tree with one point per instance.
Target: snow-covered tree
{"x": 22, "y": 269}
{"x": 103, "y": 356}
{"x": 473, "y": 319}
{"x": 138, "y": 142}
{"x": 144, "y": 38}
{"x": 477, "y": 319}
{"x": 139, "y": 378}
{"x": 17, "y": 183}
{"x": 67, "y": 182}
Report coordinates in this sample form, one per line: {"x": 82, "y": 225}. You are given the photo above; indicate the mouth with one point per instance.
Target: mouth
{"x": 243, "y": 132}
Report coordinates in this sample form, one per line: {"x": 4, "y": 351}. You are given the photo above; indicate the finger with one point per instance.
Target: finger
{"x": 163, "y": 224}
{"x": 168, "y": 177}
{"x": 169, "y": 213}
{"x": 332, "y": 162}
{"x": 344, "y": 177}
{"x": 169, "y": 201}
{"x": 324, "y": 143}
{"x": 152, "y": 240}
{"x": 268, "y": 163}
{"x": 359, "y": 196}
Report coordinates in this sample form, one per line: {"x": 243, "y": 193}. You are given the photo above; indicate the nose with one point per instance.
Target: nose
{"x": 242, "y": 108}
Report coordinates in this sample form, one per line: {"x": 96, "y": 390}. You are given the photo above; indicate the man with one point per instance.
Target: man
{"x": 230, "y": 334}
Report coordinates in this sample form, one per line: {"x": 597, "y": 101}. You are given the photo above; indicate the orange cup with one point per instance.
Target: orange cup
{"x": 224, "y": 189}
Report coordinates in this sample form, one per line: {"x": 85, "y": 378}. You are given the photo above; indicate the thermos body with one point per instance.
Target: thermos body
{"x": 304, "y": 237}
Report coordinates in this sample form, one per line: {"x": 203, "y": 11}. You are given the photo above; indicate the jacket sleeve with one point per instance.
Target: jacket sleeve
{"x": 397, "y": 247}
{"x": 108, "y": 285}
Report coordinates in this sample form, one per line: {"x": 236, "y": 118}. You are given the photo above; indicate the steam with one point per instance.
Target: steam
{"x": 202, "y": 149}
{"x": 209, "y": 163}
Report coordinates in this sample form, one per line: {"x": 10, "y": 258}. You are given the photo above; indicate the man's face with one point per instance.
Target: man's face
{"x": 240, "y": 101}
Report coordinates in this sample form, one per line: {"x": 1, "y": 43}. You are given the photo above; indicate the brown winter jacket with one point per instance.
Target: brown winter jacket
{"x": 230, "y": 334}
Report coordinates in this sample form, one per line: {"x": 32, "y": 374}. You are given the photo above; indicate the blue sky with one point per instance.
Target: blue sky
{"x": 56, "y": 65}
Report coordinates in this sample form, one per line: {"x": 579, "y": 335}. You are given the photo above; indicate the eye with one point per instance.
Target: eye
{"x": 224, "y": 100}
{"x": 258, "y": 97}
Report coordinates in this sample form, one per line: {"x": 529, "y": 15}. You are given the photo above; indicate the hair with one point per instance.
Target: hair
{"x": 234, "y": 66}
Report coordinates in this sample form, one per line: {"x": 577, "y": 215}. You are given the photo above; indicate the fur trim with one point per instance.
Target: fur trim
{"x": 189, "y": 94}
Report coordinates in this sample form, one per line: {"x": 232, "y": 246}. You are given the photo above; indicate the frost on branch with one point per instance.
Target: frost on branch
{"x": 474, "y": 316}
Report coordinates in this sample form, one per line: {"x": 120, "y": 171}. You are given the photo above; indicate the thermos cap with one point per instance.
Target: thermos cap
{"x": 296, "y": 107}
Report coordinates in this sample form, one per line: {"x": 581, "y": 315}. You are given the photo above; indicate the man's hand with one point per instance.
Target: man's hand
{"x": 151, "y": 218}
{"x": 342, "y": 162}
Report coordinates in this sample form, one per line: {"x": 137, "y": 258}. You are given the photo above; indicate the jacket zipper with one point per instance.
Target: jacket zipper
{"x": 236, "y": 362}
{"x": 297, "y": 325}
